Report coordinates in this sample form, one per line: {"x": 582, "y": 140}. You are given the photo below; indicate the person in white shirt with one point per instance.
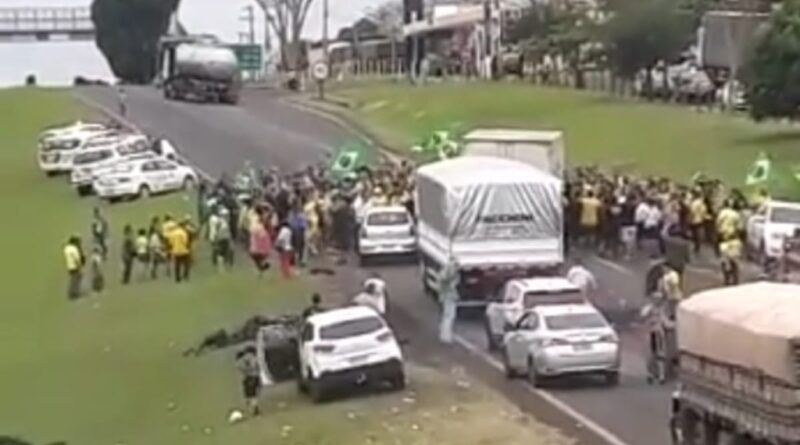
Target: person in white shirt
{"x": 649, "y": 219}
{"x": 371, "y": 297}
{"x": 283, "y": 244}
{"x": 582, "y": 277}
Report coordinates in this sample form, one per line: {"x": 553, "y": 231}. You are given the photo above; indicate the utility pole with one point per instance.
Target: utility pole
{"x": 250, "y": 18}
{"x": 325, "y": 54}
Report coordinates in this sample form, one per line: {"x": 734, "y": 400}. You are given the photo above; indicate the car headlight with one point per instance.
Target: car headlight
{"x": 608, "y": 338}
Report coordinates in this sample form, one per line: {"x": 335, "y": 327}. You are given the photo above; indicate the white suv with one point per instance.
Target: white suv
{"x": 57, "y": 153}
{"x": 90, "y": 164}
{"x": 386, "y": 231}
{"x": 352, "y": 345}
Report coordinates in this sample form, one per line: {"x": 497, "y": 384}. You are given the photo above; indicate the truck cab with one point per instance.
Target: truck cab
{"x": 519, "y": 296}
{"x": 768, "y": 229}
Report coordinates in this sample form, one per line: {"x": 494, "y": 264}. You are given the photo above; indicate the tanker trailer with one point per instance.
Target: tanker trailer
{"x": 205, "y": 72}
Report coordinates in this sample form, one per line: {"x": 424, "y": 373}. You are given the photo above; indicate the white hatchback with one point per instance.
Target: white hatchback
{"x": 90, "y": 164}
{"x": 558, "y": 340}
{"x": 386, "y": 231}
{"x": 347, "y": 346}
{"x": 145, "y": 177}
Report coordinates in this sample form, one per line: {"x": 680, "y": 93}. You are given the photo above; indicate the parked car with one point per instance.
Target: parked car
{"x": 90, "y": 164}
{"x": 64, "y": 130}
{"x": 57, "y": 153}
{"x": 347, "y": 346}
{"x": 559, "y": 340}
{"x": 145, "y": 177}
{"x": 521, "y": 295}
{"x": 386, "y": 231}
{"x": 767, "y": 230}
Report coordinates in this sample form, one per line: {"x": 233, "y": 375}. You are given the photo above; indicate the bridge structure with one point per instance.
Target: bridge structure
{"x": 45, "y": 23}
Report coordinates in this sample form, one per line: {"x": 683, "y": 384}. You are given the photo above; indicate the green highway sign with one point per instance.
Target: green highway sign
{"x": 249, "y": 56}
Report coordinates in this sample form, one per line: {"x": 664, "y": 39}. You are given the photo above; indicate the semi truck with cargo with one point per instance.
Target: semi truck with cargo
{"x": 202, "y": 71}
{"x": 498, "y": 218}
{"x": 739, "y": 366}
{"x": 541, "y": 149}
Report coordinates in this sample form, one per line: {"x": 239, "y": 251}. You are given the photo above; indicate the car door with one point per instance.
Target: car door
{"x": 519, "y": 339}
{"x": 172, "y": 177}
{"x": 495, "y": 310}
{"x": 304, "y": 348}
{"x": 151, "y": 175}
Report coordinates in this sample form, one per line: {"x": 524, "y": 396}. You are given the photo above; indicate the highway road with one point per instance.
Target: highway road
{"x": 266, "y": 131}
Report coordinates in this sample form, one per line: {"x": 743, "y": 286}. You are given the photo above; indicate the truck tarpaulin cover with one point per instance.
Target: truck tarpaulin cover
{"x": 492, "y": 200}
{"x": 753, "y": 326}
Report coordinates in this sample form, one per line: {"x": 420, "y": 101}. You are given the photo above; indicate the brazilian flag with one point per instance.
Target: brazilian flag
{"x": 438, "y": 146}
{"x": 779, "y": 180}
{"x": 348, "y": 159}
{"x": 760, "y": 171}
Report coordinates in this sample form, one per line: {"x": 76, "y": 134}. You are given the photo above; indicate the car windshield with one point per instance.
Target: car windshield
{"x": 92, "y": 157}
{"x": 351, "y": 328}
{"x": 387, "y": 218}
{"x": 539, "y": 298}
{"x": 574, "y": 321}
{"x": 785, "y": 215}
{"x": 60, "y": 144}
{"x": 94, "y": 143}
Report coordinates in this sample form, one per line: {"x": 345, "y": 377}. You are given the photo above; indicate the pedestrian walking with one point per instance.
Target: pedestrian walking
{"x": 283, "y": 244}
{"x": 128, "y": 253}
{"x": 100, "y": 231}
{"x": 260, "y": 246}
{"x": 251, "y": 382}
{"x": 122, "y": 99}
{"x": 74, "y": 262}
{"x": 299, "y": 225}
{"x": 98, "y": 279}
{"x": 220, "y": 235}
{"x": 448, "y": 293}
{"x": 180, "y": 252}
{"x": 142, "y": 252}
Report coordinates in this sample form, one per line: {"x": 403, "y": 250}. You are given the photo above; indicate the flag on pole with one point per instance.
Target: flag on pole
{"x": 347, "y": 160}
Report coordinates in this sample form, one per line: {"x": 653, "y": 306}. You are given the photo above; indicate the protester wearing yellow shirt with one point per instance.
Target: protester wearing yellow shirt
{"x": 728, "y": 222}
{"x": 698, "y": 214}
{"x": 731, "y": 250}
{"x": 74, "y": 262}
{"x": 180, "y": 252}
{"x": 590, "y": 216}
{"x": 166, "y": 227}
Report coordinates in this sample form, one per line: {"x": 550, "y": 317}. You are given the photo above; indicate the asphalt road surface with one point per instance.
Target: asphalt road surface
{"x": 266, "y": 131}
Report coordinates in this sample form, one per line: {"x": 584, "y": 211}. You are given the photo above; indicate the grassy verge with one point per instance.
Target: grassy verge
{"x": 656, "y": 139}
{"x": 108, "y": 369}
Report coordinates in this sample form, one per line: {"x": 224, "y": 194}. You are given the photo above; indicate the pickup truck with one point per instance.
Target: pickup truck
{"x": 519, "y": 296}
{"x": 767, "y": 230}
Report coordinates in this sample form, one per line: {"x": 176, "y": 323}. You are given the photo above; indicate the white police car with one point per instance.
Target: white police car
{"x": 347, "y": 346}
{"x": 89, "y": 165}
{"x": 145, "y": 177}
{"x": 57, "y": 153}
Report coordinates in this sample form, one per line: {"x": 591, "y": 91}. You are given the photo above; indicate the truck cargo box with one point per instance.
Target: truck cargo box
{"x": 541, "y": 149}
{"x": 752, "y": 326}
{"x": 489, "y": 212}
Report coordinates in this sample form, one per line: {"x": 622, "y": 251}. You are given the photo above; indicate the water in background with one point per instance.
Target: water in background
{"x": 54, "y": 63}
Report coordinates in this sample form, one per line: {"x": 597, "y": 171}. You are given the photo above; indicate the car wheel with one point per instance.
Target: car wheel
{"x": 612, "y": 378}
{"x": 533, "y": 375}
{"x": 317, "y": 390}
{"x": 509, "y": 370}
{"x": 144, "y": 191}
{"x": 84, "y": 190}
{"x": 362, "y": 260}
{"x": 51, "y": 174}
{"x": 188, "y": 183}
{"x": 302, "y": 384}
{"x": 398, "y": 380}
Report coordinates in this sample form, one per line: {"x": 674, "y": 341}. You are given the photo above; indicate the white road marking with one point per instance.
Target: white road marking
{"x": 588, "y": 423}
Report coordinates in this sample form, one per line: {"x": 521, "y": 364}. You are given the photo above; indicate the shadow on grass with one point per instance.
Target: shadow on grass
{"x": 776, "y": 137}
{"x": 8, "y": 440}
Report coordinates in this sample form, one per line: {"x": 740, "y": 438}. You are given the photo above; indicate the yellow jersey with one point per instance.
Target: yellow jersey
{"x": 728, "y": 222}
{"x": 141, "y": 245}
{"x": 73, "y": 257}
{"x": 178, "y": 241}
{"x": 698, "y": 212}
{"x": 731, "y": 249}
{"x": 590, "y": 212}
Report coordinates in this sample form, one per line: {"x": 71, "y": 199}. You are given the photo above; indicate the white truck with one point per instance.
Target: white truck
{"x": 499, "y": 219}
{"x": 739, "y": 366}
{"x": 541, "y": 149}
{"x": 767, "y": 230}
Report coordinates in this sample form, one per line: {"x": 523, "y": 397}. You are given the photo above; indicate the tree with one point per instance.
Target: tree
{"x": 287, "y": 19}
{"x": 772, "y": 73}
{"x": 555, "y": 28}
{"x": 640, "y": 33}
{"x": 389, "y": 19}
{"x": 127, "y": 33}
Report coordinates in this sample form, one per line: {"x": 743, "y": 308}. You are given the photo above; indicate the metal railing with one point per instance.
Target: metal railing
{"x": 25, "y": 21}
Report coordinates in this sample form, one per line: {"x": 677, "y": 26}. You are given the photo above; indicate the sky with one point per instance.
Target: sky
{"x": 221, "y": 17}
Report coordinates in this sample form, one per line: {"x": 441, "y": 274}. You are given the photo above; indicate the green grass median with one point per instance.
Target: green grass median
{"x": 667, "y": 140}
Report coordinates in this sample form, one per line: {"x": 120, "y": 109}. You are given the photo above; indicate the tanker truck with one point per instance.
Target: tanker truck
{"x": 739, "y": 366}
{"x": 202, "y": 71}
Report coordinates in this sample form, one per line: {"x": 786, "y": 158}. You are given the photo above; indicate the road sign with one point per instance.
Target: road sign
{"x": 249, "y": 56}
{"x": 320, "y": 71}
